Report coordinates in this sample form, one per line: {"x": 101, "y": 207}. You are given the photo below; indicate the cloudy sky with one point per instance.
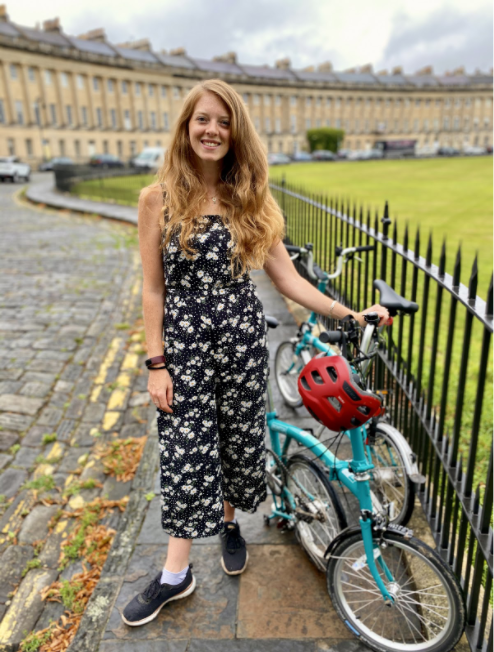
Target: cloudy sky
{"x": 386, "y": 33}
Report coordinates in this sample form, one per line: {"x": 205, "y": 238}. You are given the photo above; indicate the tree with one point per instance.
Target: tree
{"x": 325, "y": 138}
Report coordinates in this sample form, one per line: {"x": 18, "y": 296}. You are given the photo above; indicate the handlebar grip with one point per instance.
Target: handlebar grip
{"x": 293, "y": 248}
{"x": 318, "y": 272}
{"x": 331, "y": 337}
{"x": 366, "y": 248}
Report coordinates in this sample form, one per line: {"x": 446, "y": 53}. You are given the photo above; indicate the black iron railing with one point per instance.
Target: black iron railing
{"x": 437, "y": 370}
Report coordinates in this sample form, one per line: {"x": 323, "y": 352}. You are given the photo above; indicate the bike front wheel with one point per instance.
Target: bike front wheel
{"x": 319, "y": 514}
{"x": 287, "y": 368}
{"x": 428, "y": 613}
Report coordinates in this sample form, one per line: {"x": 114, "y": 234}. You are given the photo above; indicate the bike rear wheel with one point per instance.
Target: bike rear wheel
{"x": 314, "y": 534}
{"x": 428, "y": 614}
{"x": 286, "y": 359}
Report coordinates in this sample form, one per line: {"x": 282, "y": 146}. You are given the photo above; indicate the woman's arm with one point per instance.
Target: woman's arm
{"x": 288, "y": 281}
{"x": 153, "y": 290}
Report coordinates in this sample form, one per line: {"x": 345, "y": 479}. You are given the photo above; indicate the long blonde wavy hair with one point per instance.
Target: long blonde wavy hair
{"x": 252, "y": 214}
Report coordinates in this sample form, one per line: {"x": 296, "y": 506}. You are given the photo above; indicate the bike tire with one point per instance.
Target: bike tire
{"x": 315, "y": 540}
{"x": 340, "y": 570}
{"x": 400, "y": 479}
{"x": 287, "y": 385}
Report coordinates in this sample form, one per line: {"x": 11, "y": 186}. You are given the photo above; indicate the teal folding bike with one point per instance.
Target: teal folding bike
{"x": 395, "y": 471}
{"x": 392, "y": 590}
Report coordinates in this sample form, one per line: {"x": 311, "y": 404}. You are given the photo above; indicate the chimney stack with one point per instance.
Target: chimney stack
{"x": 94, "y": 35}
{"x": 178, "y": 52}
{"x": 4, "y": 17}
{"x": 52, "y": 25}
{"x": 326, "y": 66}
{"x": 367, "y": 68}
{"x": 427, "y": 70}
{"x": 284, "y": 64}
{"x": 459, "y": 71}
{"x": 309, "y": 69}
{"x": 382, "y": 72}
{"x": 141, "y": 44}
{"x": 397, "y": 70}
{"x": 229, "y": 57}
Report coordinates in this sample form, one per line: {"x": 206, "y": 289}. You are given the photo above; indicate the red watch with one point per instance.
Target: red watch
{"x": 155, "y": 360}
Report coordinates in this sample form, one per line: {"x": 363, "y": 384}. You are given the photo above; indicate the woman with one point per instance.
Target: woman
{"x": 209, "y": 220}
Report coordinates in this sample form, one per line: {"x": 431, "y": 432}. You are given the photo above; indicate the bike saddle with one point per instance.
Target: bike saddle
{"x": 272, "y": 322}
{"x": 393, "y": 301}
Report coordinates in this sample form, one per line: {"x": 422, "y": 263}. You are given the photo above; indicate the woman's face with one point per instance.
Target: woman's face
{"x": 209, "y": 128}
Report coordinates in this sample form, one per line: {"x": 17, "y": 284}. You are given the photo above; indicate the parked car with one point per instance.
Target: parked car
{"x": 12, "y": 168}
{"x": 323, "y": 155}
{"x": 301, "y": 157}
{"x": 448, "y": 151}
{"x": 151, "y": 158}
{"x": 58, "y": 160}
{"x": 278, "y": 158}
{"x": 106, "y": 161}
{"x": 473, "y": 150}
{"x": 342, "y": 153}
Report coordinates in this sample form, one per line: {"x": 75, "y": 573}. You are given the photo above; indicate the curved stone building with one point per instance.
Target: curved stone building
{"x": 79, "y": 95}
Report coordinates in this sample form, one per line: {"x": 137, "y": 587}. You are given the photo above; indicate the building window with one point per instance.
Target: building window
{"x": 165, "y": 121}
{"x": 137, "y": 89}
{"x": 457, "y": 101}
{"x": 13, "y": 71}
{"x": 366, "y": 127}
{"x": 488, "y": 102}
{"x": 417, "y": 102}
{"x": 11, "y": 146}
{"x": 468, "y": 101}
{"x": 447, "y": 103}
{"x": 397, "y": 126}
{"x": 446, "y": 124}
{"x": 387, "y": 102}
{"x": 348, "y": 126}
{"x": 30, "y": 74}
{"x": 109, "y": 85}
{"x": 37, "y": 114}
{"x": 437, "y": 102}
{"x": 53, "y": 114}
{"x": 256, "y": 123}
{"x": 267, "y": 100}
{"x": 416, "y": 126}
{"x": 318, "y": 122}
{"x": 328, "y": 101}
{"x": 68, "y": 109}
{"x": 406, "y": 102}
{"x": 99, "y": 117}
{"x": 397, "y": 103}
{"x": 133, "y": 148}
{"x": 113, "y": 117}
{"x": 307, "y": 123}
{"x": 119, "y": 149}
{"x": 19, "y": 112}
{"x": 436, "y": 124}
{"x": 308, "y": 100}
{"x": 29, "y": 147}
{"x": 328, "y": 122}
{"x": 80, "y": 81}
{"x": 466, "y": 125}
{"x": 146, "y": 143}
{"x": 153, "y": 120}
{"x": 158, "y": 143}
{"x": 278, "y": 100}
{"x": 47, "y": 77}
{"x": 61, "y": 147}
{"x": 176, "y": 92}
{"x": 405, "y": 126}
{"x": 150, "y": 90}
{"x": 124, "y": 88}
{"x": 127, "y": 122}
{"x": 426, "y": 125}
{"x": 293, "y": 123}
{"x": 163, "y": 91}
{"x": 245, "y": 97}
{"x": 140, "y": 120}
{"x": 77, "y": 149}
{"x": 475, "y": 123}
{"x": 293, "y": 100}
{"x": 95, "y": 84}
{"x": 256, "y": 99}
{"x": 477, "y": 101}
{"x": 337, "y": 123}
{"x": 268, "y": 125}
{"x": 357, "y": 126}
{"x": 486, "y": 123}
{"x": 105, "y": 147}
{"x": 64, "y": 79}
{"x": 84, "y": 115}
{"x": 318, "y": 101}
{"x": 456, "y": 123}
{"x": 91, "y": 147}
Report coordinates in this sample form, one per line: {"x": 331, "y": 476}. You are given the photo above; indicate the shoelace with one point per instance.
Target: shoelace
{"x": 152, "y": 590}
{"x": 234, "y": 540}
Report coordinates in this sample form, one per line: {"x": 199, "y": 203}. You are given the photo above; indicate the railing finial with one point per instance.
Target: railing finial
{"x": 385, "y": 221}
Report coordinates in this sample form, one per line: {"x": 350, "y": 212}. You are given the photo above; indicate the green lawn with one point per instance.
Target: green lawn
{"x": 452, "y": 198}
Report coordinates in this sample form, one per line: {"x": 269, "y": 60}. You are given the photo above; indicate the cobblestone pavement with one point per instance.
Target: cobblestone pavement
{"x": 69, "y": 363}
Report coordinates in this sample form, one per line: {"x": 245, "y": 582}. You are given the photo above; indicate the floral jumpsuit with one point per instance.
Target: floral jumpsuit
{"x": 212, "y": 445}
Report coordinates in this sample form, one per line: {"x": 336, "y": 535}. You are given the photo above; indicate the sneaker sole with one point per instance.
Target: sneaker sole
{"x": 148, "y": 619}
{"x": 238, "y": 571}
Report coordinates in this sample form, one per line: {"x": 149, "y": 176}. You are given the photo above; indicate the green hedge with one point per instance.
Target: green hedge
{"x": 325, "y": 138}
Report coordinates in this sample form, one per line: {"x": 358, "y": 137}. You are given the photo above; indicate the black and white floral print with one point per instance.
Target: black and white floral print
{"x": 212, "y": 446}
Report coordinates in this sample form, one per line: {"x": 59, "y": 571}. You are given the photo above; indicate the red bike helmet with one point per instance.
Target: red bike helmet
{"x": 328, "y": 388}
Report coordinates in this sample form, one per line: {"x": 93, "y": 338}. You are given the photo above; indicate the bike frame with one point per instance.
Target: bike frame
{"x": 353, "y": 474}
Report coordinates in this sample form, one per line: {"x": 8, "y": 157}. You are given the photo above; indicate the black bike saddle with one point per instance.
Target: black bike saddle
{"x": 393, "y": 301}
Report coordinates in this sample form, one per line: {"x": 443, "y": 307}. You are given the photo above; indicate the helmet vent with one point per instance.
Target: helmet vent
{"x": 355, "y": 422}
{"x": 317, "y": 377}
{"x": 304, "y": 383}
{"x": 364, "y": 409}
{"x": 350, "y": 391}
{"x": 334, "y": 402}
{"x": 332, "y": 373}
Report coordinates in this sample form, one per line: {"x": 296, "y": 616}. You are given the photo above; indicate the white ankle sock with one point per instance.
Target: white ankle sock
{"x": 233, "y": 520}
{"x": 167, "y": 577}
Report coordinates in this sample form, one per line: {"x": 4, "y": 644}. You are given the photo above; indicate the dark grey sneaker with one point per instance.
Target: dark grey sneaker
{"x": 145, "y": 606}
{"x": 235, "y": 556}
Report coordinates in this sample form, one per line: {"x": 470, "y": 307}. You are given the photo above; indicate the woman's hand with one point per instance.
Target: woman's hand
{"x": 160, "y": 386}
{"x": 381, "y": 311}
